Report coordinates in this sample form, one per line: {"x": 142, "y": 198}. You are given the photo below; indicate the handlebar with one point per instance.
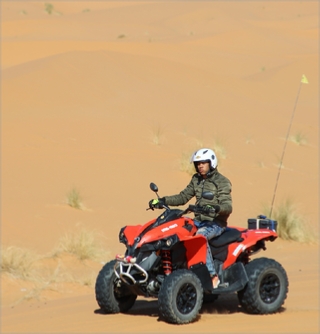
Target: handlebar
{"x": 191, "y": 208}
{"x": 163, "y": 207}
{"x": 200, "y": 209}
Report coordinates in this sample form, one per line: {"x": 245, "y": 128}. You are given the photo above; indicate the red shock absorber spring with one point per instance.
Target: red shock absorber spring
{"x": 166, "y": 262}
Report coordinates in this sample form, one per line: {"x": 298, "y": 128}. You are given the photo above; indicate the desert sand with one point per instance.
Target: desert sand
{"x": 106, "y": 97}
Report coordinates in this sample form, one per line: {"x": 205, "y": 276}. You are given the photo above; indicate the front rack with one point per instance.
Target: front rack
{"x": 122, "y": 270}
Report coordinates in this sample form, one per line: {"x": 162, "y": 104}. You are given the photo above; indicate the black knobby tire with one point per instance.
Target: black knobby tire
{"x": 180, "y": 297}
{"x": 266, "y": 289}
{"x": 112, "y": 295}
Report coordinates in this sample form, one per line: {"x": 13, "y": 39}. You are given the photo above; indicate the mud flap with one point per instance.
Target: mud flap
{"x": 233, "y": 279}
{"x": 202, "y": 272}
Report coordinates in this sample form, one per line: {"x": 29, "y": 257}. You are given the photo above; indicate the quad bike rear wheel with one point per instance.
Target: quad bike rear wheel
{"x": 180, "y": 297}
{"x": 266, "y": 289}
{"x": 112, "y": 295}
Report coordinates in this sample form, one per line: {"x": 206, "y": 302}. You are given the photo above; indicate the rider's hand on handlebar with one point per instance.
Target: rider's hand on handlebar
{"x": 208, "y": 209}
{"x": 211, "y": 209}
{"x": 157, "y": 203}
{"x": 216, "y": 208}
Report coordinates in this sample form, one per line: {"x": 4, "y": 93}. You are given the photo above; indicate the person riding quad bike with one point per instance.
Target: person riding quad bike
{"x": 207, "y": 178}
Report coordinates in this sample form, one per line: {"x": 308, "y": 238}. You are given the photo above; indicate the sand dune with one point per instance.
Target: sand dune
{"x": 108, "y": 96}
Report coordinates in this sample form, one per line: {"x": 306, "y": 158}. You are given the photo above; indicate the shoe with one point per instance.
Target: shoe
{"x": 215, "y": 281}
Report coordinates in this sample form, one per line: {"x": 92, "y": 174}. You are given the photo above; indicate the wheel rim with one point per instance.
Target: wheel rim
{"x": 186, "y": 298}
{"x": 269, "y": 288}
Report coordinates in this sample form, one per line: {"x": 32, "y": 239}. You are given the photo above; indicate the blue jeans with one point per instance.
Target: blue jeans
{"x": 209, "y": 230}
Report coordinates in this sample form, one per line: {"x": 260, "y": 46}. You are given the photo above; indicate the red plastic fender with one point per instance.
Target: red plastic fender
{"x": 196, "y": 247}
{"x": 132, "y": 231}
{"x": 250, "y": 238}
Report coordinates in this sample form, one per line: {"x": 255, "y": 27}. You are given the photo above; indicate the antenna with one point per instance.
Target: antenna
{"x": 305, "y": 81}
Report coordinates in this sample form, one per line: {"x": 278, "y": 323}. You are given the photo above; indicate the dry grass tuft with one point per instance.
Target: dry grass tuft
{"x": 52, "y": 273}
{"x": 74, "y": 199}
{"x": 185, "y": 164}
{"x": 49, "y": 8}
{"x": 81, "y": 244}
{"x": 18, "y": 262}
{"x": 298, "y": 138}
{"x": 157, "y": 135}
{"x": 261, "y": 164}
{"x": 220, "y": 149}
{"x": 292, "y": 225}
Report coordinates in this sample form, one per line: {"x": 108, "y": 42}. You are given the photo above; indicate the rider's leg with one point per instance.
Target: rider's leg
{"x": 210, "y": 231}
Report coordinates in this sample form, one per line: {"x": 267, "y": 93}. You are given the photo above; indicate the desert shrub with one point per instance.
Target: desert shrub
{"x": 219, "y": 149}
{"x": 185, "y": 164}
{"x": 298, "y": 138}
{"x": 74, "y": 199}
{"x": 292, "y": 225}
{"x": 18, "y": 261}
{"x": 51, "y": 272}
{"x": 82, "y": 244}
{"x": 49, "y": 8}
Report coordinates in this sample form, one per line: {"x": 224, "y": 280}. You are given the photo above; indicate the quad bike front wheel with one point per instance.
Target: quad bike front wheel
{"x": 112, "y": 295}
{"x": 266, "y": 289}
{"x": 180, "y": 297}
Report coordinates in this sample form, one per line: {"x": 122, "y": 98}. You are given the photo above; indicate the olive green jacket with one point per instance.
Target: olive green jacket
{"x": 215, "y": 182}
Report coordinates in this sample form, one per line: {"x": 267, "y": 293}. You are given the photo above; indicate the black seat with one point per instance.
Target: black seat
{"x": 228, "y": 236}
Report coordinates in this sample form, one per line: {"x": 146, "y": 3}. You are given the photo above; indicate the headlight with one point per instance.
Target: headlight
{"x": 169, "y": 242}
{"x": 160, "y": 244}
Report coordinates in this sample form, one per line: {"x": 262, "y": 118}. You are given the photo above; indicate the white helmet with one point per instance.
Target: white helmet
{"x": 205, "y": 154}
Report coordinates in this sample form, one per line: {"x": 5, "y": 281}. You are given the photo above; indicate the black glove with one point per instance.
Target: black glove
{"x": 211, "y": 209}
{"x": 157, "y": 203}
{"x": 208, "y": 209}
{"x": 216, "y": 208}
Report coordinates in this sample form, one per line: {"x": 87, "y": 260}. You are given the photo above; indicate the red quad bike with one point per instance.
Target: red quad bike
{"x": 165, "y": 259}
